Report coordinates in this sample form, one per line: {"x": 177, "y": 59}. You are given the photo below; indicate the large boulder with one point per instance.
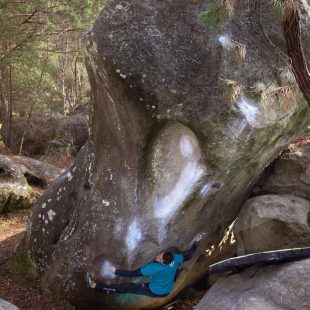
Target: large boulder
{"x": 183, "y": 123}
{"x": 281, "y": 287}
{"x": 273, "y": 222}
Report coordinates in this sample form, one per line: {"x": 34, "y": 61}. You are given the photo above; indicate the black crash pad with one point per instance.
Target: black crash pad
{"x": 271, "y": 257}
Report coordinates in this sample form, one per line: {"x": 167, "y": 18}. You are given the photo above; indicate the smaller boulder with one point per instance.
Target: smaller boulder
{"x": 272, "y": 222}
{"x": 274, "y": 287}
{"x": 36, "y": 172}
{"x": 22, "y": 180}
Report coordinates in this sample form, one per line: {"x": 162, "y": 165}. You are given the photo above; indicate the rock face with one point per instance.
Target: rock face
{"x": 273, "y": 222}
{"x": 276, "y": 220}
{"x": 281, "y": 287}
{"x": 22, "y": 180}
{"x": 182, "y": 125}
{"x": 290, "y": 173}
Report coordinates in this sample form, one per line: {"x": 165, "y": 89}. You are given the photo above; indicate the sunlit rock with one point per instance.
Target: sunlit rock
{"x": 273, "y": 222}
{"x": 283, "y": 286}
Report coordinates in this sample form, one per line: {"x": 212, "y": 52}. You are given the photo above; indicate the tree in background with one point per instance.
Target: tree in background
{"x": 41, "y": 58}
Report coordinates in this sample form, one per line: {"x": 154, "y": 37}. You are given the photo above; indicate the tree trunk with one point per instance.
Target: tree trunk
{"x": 10, "y": 115}
{"x": 291, "y": 26}
{"x": 31, "y": 108}
{"x": 3, "y": 106}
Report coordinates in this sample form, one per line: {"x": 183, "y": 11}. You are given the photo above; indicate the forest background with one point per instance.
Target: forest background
{"x": 42, "y": 68}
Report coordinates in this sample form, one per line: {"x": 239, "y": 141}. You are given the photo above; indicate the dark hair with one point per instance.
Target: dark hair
{"x": 167, "y": 258}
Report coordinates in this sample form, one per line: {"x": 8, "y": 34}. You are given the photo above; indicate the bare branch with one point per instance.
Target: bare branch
{"x": 27, "y": 19}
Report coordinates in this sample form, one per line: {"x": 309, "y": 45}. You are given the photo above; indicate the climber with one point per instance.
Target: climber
{"x": 162, "y": 270}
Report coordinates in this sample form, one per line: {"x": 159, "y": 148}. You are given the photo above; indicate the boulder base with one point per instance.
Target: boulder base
{"x": 280, "y": 287}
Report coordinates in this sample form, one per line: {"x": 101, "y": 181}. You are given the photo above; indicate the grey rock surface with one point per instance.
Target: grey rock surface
{"x": 178, "y": 137}
{"x": 37, "y": 173}
{"x": 278, "y": 287}
{"x": 289, "y": 174}
{"x": 273, "y": 222}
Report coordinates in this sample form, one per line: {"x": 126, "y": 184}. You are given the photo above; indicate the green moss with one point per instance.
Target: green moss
{"x": 10, "y": 201}
{"x": 215, "y": 16}
{"x": 21, "y": 265}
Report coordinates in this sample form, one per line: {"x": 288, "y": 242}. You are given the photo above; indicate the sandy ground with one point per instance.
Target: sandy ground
{"x": 17, "y": 289}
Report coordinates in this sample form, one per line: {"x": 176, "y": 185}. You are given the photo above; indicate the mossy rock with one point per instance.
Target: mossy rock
{"x": 11, "y": 200}
{"x": 22, "y": 266}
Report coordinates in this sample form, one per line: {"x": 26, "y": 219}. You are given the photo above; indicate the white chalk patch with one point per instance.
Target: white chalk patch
{"x": 105, "y": 203}
{"x": 225, "y": 41}
{"x": 43, "y": 205}
{"x": 248, "y": 109}
{"x": 134, "y": 235}
{"x": 118, "y": 71}
{"x": 205, "y": 189}
{"x": 166, "y": 206}
{"x": 69, "y": 176}
{"x": 123, "y": 76}
{"x": 51, "y": 214}
{"x": 39, "y": 216}
{"x": 46, "y": 221}
{"x": 186, "y": 147}
{"x": 49, "y": 200}
{"x": 105, "y": 270}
